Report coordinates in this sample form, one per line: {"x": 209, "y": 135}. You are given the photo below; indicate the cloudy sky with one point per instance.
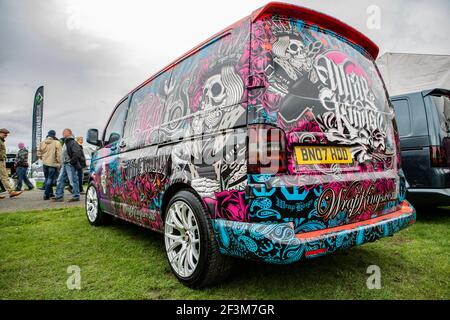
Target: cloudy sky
{"x": 90, "y": 53}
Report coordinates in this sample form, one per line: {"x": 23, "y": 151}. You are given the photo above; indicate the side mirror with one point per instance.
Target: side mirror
{"x": 114, "y": 137}
{"x": 92, "y": 137}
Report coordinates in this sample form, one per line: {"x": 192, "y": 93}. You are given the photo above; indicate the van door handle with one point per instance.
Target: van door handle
{"x": 123, "y": 144}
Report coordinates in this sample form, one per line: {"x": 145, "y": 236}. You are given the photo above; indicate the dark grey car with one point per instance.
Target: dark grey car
{"x": 10, "y": 158}
{"x": 423, "y": 120}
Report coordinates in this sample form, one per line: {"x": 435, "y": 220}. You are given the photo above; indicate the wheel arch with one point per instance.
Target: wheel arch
{"x": 172, "y": 190}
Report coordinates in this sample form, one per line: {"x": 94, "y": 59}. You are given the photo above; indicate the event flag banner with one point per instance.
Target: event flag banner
{"x": 38, "y": 111}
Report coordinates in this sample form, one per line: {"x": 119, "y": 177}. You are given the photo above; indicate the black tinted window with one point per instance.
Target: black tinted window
{"x": 114, "y": 131}
{"x": 403, "y": 117}
{"x": 146, "y": 112}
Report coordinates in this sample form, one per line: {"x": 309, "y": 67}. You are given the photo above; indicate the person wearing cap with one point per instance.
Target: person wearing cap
{"x": 21, "y": 163}
{"x": 49, "y": 152}
{"x": 3, "y": 173}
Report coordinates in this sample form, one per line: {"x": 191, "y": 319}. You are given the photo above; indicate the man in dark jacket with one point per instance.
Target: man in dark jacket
{"x": 21, "y": 163}
{"x": 80, "y": 141}
{"x": 71, "y": 163}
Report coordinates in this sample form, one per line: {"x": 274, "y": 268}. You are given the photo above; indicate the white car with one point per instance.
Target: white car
{"x": 36, "y": 171}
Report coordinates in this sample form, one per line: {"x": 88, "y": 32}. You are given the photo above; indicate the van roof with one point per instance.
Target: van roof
{"x": 308, "y": 15}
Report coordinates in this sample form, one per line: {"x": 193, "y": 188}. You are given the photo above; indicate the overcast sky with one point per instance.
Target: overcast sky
{"x": 90, "y": 53}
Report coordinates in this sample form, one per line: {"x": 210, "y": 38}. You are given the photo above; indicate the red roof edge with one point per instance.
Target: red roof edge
{"x": 323, "y": 20}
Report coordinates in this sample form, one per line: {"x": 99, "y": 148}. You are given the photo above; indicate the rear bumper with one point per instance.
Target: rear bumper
{"x": 438, "y": 197}
{"x": 277, "y": 243}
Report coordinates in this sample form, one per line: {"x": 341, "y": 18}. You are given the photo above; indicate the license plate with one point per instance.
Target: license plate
{"x": 322, "y": 155}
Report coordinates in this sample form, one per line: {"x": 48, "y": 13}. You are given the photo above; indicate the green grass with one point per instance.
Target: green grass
{"x": 39, "y": 184}
{"x": 123, "y": 261}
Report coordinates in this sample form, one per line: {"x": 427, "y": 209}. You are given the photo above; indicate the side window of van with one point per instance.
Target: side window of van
{"x": 114, "y": 130}
{"x": 146, "y": 112}
{"x": 206, "y": 87}
{"x": 402, "y": 116}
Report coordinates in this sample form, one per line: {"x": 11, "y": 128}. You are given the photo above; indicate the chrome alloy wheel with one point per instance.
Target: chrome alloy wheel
{"x": 92, "y": 204}
{"x": 182, "y": 239}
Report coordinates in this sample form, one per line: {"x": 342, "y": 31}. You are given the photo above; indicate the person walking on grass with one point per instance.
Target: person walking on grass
{"x": 71, "y": 162}
{"x": 49, "y": 152}
{"x": 3, "y": 173}
{"x": 21, "y": 163}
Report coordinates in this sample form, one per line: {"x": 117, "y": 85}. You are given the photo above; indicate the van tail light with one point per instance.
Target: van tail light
{"x": 439, "y": 156}
{"x": 266, "y": 150}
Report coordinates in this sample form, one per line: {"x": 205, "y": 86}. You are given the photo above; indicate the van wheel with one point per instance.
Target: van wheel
{"x": 95, "y": 215}
{"x": 191, "y": 247}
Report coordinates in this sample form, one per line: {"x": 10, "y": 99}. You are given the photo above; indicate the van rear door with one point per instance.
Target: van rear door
{"x": 322, "y": 89}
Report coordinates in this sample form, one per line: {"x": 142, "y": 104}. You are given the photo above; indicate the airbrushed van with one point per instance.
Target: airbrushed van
{"x": 274, "y": 140}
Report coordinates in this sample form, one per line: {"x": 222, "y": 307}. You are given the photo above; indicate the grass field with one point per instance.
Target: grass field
{"x": 41, "y": 185}
{"x": 122, "y": 261}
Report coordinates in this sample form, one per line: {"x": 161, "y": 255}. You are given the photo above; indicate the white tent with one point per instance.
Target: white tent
{"x": 407, "y": 72}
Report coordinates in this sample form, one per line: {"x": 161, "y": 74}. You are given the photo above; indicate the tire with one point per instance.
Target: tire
{"x": 191, "y": 247}
{"x": 94, "y": 213}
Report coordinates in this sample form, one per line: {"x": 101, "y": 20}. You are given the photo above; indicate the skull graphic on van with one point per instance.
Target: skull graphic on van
{"x": 294, "y": 56}
{"x": 222, "y": 89}
{"x": 296, "y": 49}
{"x": 214, "y": 91}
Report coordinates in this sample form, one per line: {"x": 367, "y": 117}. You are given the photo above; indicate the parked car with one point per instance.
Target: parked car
{"x": 423, "y": 120}
{"x": 88, "y": 151}
{"x": 10, "y": 168}
{"x": 36, "y": 171}
{"x": 274, "y": 140}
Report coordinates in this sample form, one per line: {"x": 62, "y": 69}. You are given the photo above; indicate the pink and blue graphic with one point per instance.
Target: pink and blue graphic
{"x": 316, "y": 86}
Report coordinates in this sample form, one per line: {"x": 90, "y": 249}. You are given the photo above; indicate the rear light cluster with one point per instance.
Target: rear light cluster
{"x": 439, "y": 156}
{"x": 266, "y": 150}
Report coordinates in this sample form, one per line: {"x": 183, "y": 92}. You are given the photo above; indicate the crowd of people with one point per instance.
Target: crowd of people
{"x": 63, "y": 161}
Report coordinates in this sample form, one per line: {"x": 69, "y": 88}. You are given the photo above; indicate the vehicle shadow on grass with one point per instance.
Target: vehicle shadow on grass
{"x": 141, "y": 233}
{"x": 432, "y": 214}
{"x": 341, "y": 273}
{"x": 337, "y": 269}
